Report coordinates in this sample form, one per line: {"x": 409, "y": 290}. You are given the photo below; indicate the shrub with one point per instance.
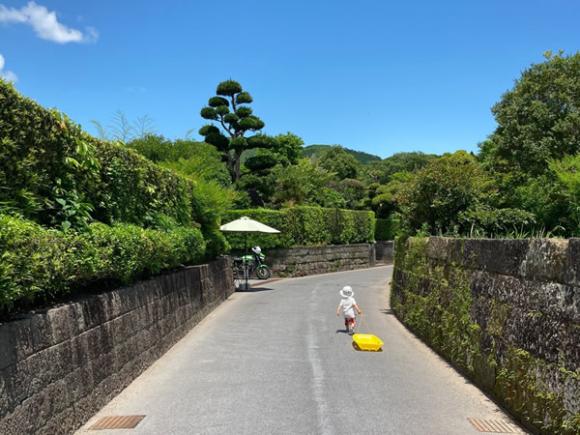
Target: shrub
{"x": 384, "y": 229}
{"x": 51, "y": 170}
{"x": 487, "y": 221}
{"x": 129, "y": 188}
{"x": 304, "y": 226}
{"x": 434, "y": 196}
{"x": 307, "y": 225}
{"x": 39, "y": 265}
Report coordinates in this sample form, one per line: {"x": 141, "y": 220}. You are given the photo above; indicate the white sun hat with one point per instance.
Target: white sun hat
{"x": 346, "y": 292}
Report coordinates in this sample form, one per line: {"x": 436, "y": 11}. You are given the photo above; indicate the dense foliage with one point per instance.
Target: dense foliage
{"x": 196, "y": 160}
{"x": 386, "y": 229}
{"x": 567, "y": 177}
{"x": 538, "y": 119}
{"x": 317, "y": 150}
{"x": 54, "y": 173}
{"x": 339, "y": 162}
{"x": 136, "y": 208}
{"x": 444, "y": 189}
{"x": 260, "y": 168}
{"x": 383, "y": 171}
{"x": 304, "y": 226}
{"x": 39, "y": 264}
{"x": 76, "y": 209}
{"x": 524, "y": 181}
{"x": 538, "y": 126}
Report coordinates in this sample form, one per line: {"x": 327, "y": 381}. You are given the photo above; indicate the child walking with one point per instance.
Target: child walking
{"x": 348, "y": 306}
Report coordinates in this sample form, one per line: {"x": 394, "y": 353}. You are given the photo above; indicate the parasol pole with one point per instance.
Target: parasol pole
{"x": 246, "y": 273}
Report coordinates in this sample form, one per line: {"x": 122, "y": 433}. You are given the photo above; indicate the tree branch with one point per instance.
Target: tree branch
{"x": 226, "y": 128}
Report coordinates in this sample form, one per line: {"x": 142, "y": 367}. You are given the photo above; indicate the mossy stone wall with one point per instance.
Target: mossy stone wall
{"x": 58, "y": 367}
{"x": 506, "y": 313}
{"x": 310, "y": 260}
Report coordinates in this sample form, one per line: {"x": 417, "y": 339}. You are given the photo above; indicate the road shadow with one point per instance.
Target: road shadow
{"x": 388, "y": 311}
{"x": 254, "y": 290}
{"x": 342, "y": 331}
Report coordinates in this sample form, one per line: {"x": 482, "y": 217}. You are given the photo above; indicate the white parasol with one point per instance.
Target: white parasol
{"x": 247, "y": 225}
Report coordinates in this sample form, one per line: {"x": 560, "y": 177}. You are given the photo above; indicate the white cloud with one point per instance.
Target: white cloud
{"x": 9, "y": 76}
{"x": 45, "y": 24}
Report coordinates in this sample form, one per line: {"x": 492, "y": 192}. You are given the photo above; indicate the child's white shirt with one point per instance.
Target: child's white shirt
{"x": 347, "y": 305}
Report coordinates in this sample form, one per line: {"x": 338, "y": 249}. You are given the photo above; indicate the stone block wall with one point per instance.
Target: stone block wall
{"x": 506, "y": 313}
{"x": 303, "y": 261}
{"x": 59, "y": 367}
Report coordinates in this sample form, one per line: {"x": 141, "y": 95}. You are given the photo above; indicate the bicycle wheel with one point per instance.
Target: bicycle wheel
{"x": 263, "y": 272}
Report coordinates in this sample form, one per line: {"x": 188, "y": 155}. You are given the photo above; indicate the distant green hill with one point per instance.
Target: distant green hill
{"x": 362, "y": 157}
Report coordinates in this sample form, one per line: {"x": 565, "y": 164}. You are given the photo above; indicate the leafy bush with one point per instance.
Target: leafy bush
{"x": 490, "y": 222}
{"x": 129, "y": 188}
{"x": 382, "y": 171}
{"x": 55, "y": 174}
{"x": 385, "y": 229}
{"x": 436, "y": 195}
{"x": 39, "y": 265}
{"x": 195, "y": 160}
{"x": 304, "y": 226}
{"x": 305, "y": 183}
{"x": 567, "y": 172}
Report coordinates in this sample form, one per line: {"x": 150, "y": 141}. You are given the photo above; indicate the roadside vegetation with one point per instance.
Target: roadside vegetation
{"x": 523, "y": 182}
{"x": 76, "y": 210}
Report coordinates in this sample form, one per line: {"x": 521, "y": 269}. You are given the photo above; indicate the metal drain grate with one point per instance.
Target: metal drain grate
{"x": 494, "y": 426}
{"x": 118, "y": 422}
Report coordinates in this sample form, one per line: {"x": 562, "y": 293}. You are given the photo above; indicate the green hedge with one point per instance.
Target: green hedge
{"x": 386, "y": 229}
{"x": 39, "y": 265}
{"x": 51, "y": 172}
{"x": 305, "y": 226}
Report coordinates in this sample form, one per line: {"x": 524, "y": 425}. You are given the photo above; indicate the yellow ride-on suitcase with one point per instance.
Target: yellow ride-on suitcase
{"x": 367, "y": 342}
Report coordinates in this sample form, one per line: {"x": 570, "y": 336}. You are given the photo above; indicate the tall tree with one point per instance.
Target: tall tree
{"x": 538, "y": 120}
{"x": 340, "y": 162}
{"x": 288, "y": 147}
{"x": 384, "y": 201}
{"x": 305, "y": 183}
{"x": 234, "y": 118}
{"x": 258, "y": 178}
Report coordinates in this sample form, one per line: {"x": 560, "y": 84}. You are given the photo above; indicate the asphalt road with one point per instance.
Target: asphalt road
{"x": 276, "y": 360}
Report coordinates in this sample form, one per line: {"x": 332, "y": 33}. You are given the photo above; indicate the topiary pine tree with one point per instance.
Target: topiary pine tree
{"x": 230, "y": 110}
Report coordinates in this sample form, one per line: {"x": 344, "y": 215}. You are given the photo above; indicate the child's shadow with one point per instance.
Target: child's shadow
{"x": 342, "y": 331}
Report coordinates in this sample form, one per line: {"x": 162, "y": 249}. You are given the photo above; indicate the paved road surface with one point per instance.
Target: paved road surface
{"x": 275, "y": 360}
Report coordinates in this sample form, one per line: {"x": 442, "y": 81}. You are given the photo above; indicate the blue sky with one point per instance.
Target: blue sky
{"x": 376, "y": 76}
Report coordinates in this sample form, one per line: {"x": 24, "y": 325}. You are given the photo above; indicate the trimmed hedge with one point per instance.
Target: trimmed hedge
{"x": 385, "y": 229}
{"x": 305, "y": 226}
{"x": 39, "y": 265}
{"x": 51, "y": 170}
